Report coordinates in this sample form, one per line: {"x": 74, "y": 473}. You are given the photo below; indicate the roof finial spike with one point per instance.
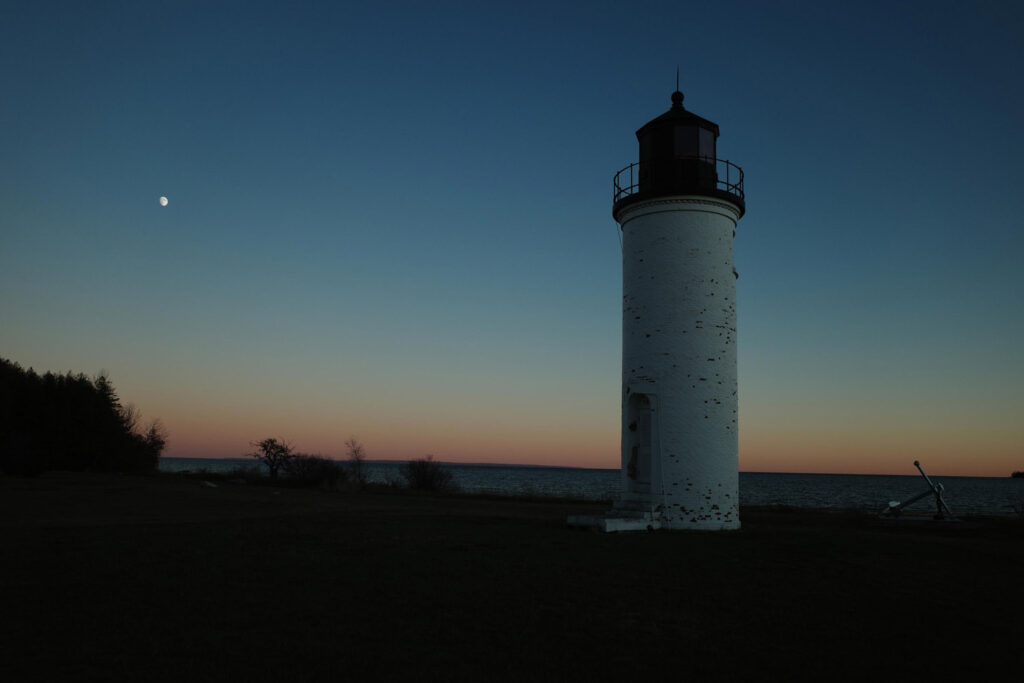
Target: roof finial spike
{"x": 677, "y": 96}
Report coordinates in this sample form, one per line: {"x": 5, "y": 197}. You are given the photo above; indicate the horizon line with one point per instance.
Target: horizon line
{"x": 384, "y": 461}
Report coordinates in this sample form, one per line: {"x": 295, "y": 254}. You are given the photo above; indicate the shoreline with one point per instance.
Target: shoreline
{"x": 969, "y": 496}
{"x": 449, "y": 463}
{"x": 80, "y": 483}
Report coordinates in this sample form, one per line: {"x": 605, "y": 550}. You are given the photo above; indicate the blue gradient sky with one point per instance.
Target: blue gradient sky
{"x": 393, "y": 220}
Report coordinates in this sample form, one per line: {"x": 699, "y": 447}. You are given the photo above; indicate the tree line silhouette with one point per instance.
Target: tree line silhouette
{"x": 71, "y": 422}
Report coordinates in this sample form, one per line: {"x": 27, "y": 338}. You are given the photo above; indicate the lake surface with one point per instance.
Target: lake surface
{"x": 966, "y": 495}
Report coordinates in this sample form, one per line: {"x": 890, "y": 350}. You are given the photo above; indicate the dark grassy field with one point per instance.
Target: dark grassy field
{"x": 159, "y": 578}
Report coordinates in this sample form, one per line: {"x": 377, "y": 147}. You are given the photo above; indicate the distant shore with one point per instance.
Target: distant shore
{"x": 163, "y": 578}
{"x": 966, "y": 495}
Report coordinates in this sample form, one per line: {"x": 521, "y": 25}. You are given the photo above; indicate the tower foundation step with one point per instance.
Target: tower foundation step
{"x": 628, "y": 516}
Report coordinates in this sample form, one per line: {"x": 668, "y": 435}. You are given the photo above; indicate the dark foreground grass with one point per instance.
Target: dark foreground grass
{"x": 156, "y": 578}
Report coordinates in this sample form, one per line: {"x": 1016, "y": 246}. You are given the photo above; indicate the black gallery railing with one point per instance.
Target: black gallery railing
{"x": 692, "y": 173}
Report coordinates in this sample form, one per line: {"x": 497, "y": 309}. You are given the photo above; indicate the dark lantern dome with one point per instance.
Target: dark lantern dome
{"x": 677, "y": 117}
{"x": 678, "y": 156}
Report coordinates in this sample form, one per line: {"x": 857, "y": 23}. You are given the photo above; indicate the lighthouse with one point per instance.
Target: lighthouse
{"x": 678, "y": 207}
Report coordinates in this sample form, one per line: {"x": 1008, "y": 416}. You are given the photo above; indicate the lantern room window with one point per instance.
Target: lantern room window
{"x": 692, "y": 141}
{"x": 686, "y": 141}
{"x": 707, "y": 143}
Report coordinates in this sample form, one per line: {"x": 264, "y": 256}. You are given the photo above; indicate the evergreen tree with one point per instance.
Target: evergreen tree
{"x": 70, "y": 422}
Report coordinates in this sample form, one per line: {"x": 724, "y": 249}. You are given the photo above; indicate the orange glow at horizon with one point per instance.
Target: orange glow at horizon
{"x": 949, "y": 454}
{"x": 218, "y": 412}
{"x": 969, "y": 455}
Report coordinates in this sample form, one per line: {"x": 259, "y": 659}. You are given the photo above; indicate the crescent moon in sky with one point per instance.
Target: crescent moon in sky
{"x": 163, "y": 201}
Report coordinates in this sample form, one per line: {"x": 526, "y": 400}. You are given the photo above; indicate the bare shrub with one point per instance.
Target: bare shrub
{"x": 426, "y": 475}
{"x": 356, "y": 461}
{"x": 314, "y": 470}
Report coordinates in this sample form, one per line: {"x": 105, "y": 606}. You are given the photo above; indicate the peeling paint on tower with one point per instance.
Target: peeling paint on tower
{"x": 678, "y": 209}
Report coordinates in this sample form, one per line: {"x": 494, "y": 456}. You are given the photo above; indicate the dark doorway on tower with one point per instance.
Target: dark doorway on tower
{"x": 639, "y": 438}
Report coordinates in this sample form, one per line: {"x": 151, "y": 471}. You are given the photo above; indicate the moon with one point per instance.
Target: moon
{"x": 163, "y": 201}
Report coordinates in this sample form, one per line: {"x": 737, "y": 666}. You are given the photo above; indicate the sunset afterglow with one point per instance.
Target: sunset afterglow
{"x": 395, "y": 223}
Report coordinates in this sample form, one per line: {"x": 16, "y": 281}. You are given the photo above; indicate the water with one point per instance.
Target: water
{"x": 965, "y": 495}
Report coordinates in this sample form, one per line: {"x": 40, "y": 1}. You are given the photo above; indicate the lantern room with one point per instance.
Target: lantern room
{"x": 677, "y": 134}
{"x": 678, "y": 156}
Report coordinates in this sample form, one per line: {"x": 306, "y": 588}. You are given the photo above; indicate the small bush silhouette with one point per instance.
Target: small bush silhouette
{"x": 314, "y": 470}
{"x": 426, "y": 475}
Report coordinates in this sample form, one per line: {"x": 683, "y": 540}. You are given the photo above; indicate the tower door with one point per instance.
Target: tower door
{"x": 638, "y": 441}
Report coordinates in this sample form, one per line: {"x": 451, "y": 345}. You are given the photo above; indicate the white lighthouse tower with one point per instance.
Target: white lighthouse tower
{"x": 678, "y": 208}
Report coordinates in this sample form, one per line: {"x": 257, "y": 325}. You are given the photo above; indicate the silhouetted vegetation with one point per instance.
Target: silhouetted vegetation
{"x": 426, "y": 475}
{"x": 274, "y": 453}
{"x": 356, "y": 461}
{"x": 71, "y": 422}
{"x": 253, "y": 474}
{"x": 1018, "y": 475}
{"x": 314, "y": 470}
{"x": 299, "y": 469}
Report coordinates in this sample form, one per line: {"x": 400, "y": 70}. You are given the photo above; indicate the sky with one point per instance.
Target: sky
{"x": 393, "y": 220}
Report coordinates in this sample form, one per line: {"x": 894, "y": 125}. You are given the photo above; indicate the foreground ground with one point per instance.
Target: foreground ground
{"x": 106, "y": 577}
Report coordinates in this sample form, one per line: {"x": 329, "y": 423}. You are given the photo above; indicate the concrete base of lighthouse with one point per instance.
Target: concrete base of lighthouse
{"x": 620, "y": 520}
{"x": 611, "y": 523}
